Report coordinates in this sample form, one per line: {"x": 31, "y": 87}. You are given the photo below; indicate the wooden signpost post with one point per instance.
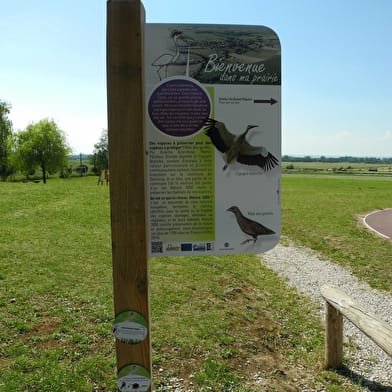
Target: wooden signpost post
{"x": 169, "y": 103}
{"x": 125, "y": 24}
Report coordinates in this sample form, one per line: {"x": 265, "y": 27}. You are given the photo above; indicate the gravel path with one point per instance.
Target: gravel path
{"x": 308, "y": 273}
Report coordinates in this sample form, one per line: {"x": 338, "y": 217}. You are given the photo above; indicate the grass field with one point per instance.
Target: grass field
{"x": 324, "y": 213}
{"x": 228, "y": 322}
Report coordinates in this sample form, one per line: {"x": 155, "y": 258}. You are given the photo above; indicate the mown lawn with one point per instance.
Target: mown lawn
{"x": 55, "y": 287}
{"x": 219, "y": 323}
{"x": 324, "y": 213}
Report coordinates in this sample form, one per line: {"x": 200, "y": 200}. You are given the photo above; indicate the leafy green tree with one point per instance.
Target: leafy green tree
{"x": 5, "y": 140}
{"x": 100, "y": 157}
{"x": 42, "y": 145}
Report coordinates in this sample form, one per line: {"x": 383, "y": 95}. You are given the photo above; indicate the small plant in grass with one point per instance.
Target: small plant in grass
{"x": 217, "y": 376}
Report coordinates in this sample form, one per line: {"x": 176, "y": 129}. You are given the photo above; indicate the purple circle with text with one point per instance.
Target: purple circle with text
{"x": 179, "y": 107}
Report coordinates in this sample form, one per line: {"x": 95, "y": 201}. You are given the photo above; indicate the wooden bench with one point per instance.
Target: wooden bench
{"x": 339, "y": 304}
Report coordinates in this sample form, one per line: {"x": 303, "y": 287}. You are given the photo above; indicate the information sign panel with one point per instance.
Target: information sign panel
{"x": 213, "y": 138}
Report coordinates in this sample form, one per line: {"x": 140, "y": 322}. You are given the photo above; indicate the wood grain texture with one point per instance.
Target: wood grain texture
{"x": 125, "y": 92}
{"x": 377, "y": 330}
{"x": 333, "y": 337}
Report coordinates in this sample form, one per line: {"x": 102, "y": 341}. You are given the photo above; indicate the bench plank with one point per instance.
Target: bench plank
{"x": 377, "y": 330}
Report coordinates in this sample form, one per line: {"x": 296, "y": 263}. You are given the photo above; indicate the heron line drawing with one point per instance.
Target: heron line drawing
{"x": 235, "y": 148}
{"x": 166, "y": 59}
{"x": 249, "y": 226}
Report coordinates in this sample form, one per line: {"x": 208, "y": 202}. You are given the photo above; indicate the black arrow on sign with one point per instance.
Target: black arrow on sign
{"x": 271, "y": 101}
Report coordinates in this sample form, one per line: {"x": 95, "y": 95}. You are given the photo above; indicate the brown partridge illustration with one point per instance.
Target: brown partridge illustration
{"x": 248, "y": 226}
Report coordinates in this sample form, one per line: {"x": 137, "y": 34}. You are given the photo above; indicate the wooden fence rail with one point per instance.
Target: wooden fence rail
{"x": 340, "y": 304}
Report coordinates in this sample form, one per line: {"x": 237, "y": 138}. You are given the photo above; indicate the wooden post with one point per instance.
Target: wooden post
{"x": 334, "y": 337}
{"x": 125, "y": 26}
{"x": 377, "y": 330}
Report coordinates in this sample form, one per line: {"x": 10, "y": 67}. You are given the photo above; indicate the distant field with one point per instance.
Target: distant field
{"x": 323, "y": 213}
{"x": 336, "y": 168}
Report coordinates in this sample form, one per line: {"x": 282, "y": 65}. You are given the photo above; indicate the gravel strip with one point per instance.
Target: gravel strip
{"x": 308, "y": 273}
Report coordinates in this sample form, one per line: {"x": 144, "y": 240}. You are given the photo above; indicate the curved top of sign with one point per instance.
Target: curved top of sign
{"x": 217, "y": 54}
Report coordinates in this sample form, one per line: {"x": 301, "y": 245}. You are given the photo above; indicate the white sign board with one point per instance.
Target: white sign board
{"x": 213, "y": 138}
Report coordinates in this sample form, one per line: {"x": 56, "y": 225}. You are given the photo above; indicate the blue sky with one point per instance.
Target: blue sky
{"x": 336, "y": 61}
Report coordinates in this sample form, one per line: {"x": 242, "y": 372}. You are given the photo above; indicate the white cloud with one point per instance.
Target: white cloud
{"x": 387, "y": 136}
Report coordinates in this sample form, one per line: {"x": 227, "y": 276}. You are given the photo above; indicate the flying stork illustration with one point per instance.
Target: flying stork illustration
{"x": 164, "y": 60}
{"x": 235, "y": 148}
{"x": 249, "y": 226}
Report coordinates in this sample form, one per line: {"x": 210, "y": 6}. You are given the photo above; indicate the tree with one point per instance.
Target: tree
{"x": 100, "y": 157}
{"x": 5, "y": 140}
{"x": 42, "y": 144}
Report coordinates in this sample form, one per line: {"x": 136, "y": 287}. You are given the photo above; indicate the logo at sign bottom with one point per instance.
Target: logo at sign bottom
{"x": 133, "y": 378}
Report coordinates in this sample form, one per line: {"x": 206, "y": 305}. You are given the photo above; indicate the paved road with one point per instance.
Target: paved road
{"x": 380, "y": 222}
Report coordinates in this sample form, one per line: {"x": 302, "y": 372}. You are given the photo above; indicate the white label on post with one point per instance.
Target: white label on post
{"x": 133, "y": 378}
{"x": 130, "y": 327}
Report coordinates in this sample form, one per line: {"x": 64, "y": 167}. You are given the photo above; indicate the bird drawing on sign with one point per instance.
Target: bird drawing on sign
{"x": 235, "y": 148}
{"x": 164, "y": 60}
{"x": 249, "y": 226}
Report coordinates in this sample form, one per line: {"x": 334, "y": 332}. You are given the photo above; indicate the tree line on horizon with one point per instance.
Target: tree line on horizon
{"x": 41, "y": 145}
{"x": 349, "y": 159}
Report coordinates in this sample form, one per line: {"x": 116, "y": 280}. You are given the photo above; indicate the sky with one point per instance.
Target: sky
{"x": 336, "y": 66}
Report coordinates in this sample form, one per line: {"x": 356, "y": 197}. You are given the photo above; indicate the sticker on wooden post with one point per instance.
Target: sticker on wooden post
{"x": 130, "y": 327}
{"x": 133, "y": 378}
